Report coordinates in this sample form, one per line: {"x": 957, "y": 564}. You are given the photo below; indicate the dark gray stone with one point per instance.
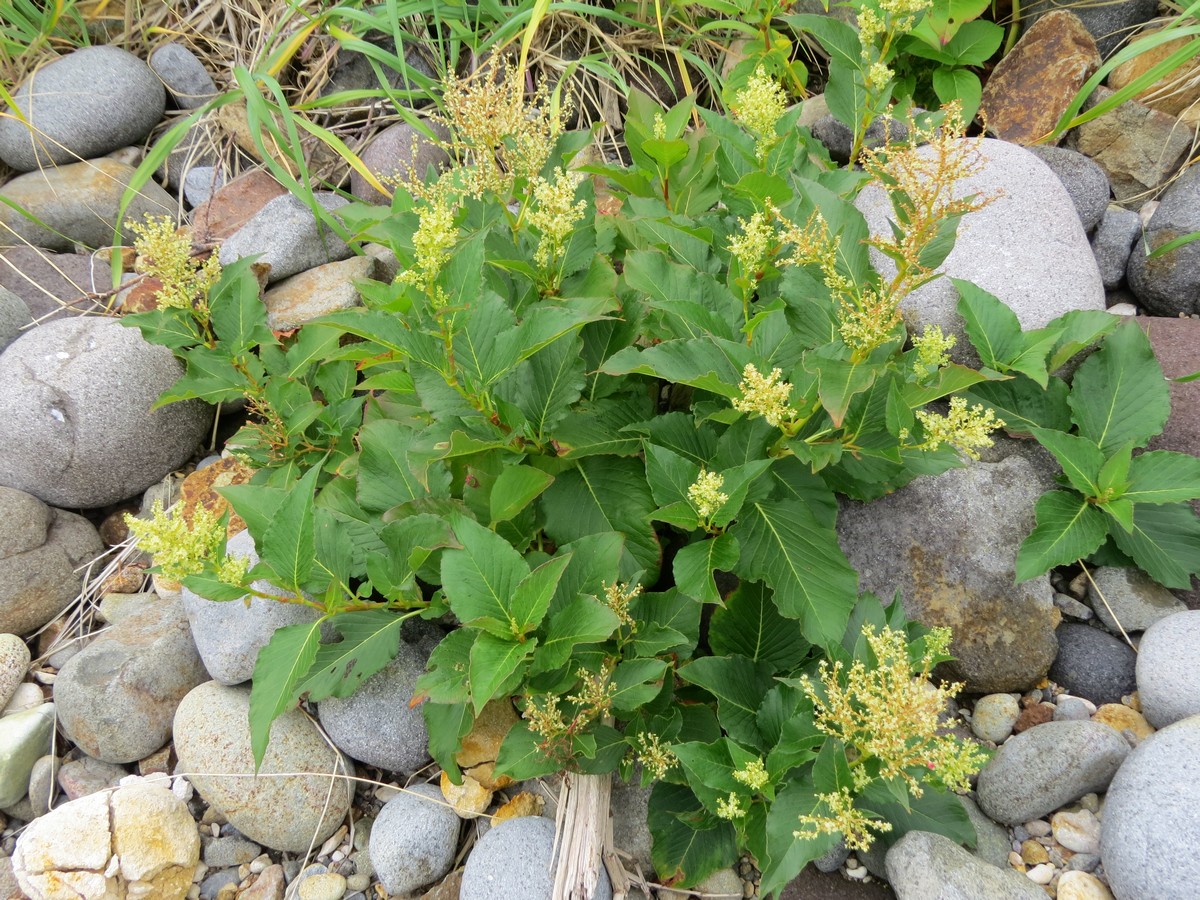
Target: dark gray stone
{"x": 197, "y": 149}
{"x": 1109, "y": 23}
{"x": 1093, "y": 664}
{"x": 925, "y": 866}
{"x": 414, "y": 840}
{"x": 40, "y": 550}
{"x": 1037, "y": 771}
{"x": 117, "y": 697}
{"x": 1113, "y": 242}
{"x": 287, "y": 236}
{"x": 515, "y": 859}
{"x": 187, "y": 81}
{"x": 80, "y": 106}
{"x": 1170, "y": 284}
{"x": 214, "y": 881}
{"x": 229, "y": 635}
{"x": 1086, "y": 183}
{"x": 950, "y": 548}
{"x": 1151, "y": 829}
{"x": 839, "y": 139}
{"x": 376, "y": 724}
{"x": 75, "y": 399}
{"x": 1168, "y": 669}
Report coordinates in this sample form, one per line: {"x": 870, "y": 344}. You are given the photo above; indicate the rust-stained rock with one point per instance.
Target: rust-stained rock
{"x": 482, "y": 744}
{"x": 1177, "y": 93}
{"x": 1139, "y": 148}
{"x": 525, "y": 803}
{"x": 200, "y": 489}
{"x": 469, "y": 799}
{"x": 233, "y": 205}
{"x": 1120, "y": 717}
{"x": 485, "y": 774}
{"x": 315, "y": 292}
{"x": 1030, "y": 89}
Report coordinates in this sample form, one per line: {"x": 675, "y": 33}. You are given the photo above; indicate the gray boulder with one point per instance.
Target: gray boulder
{"x": 77, "y": 204}
{"x": 401, "y": 152}
{"x": 54, "y": 285}
{"x": 286, "y": 235}
{"x": 75, "y": 399}
{"x": 284, "y": 807}
{"x": 1169, "y": 285}
{"x": 414, "y": 840}
{"x": 1167, "y": 666}
{"x": 1086, "y": 183}
{"x": 515, "y": 859}
{"x": 1129, "y": 597}
{"x": 14, "y": 663}
{"x": 229, "y": 635}
{"x": 1037, "y": 771}
{"x": 187, "y": 81}
{"x": 40, "y": 549}
{"x": 1112, "y": 243}
{"x": 375, "y": 724}
{"x": 950, "y": 547}
{"x": 117, "y": 697}
{"x": 1151, "y": 830}
{"x": 1027, "y": 247}
{"x": 925, "y": 866}
{"x": 83, "y": 105}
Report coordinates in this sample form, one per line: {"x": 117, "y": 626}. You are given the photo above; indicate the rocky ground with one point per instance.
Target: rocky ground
{"x": 126, "y": 765}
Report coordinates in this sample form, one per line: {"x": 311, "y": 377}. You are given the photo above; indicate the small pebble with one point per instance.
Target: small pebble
{"x": 1038, "y": 828}
{"x": 1076, "y": 885}
{"x": 333, "y": 842}
{"x": 26, "y": 696}
{"x": 1033, "y": 853}
{"x": 259, "y": 863}
{"x": 327, "y": 886}
{"x": 1077, "y": 831}
{"x": 1041, "y": 874}
{"x": 358, "y": 883}
{"x": 994, "y": 716}
{"x": 1014, "y": 860}
{"x": 1072, "y": 608}
{"x": 1069, "y": 707}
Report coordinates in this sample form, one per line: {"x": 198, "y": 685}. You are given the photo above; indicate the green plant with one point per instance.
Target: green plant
{"x": 1116, "y": 505}
{"x": 573, "y": 416}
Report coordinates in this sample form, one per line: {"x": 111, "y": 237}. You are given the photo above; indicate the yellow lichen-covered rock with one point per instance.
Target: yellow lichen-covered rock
{"x": 137, "y": 841}
{"x": 1120, "y": 717}
{"x": 469, "y": 799}
{"x": 525, "y": 803}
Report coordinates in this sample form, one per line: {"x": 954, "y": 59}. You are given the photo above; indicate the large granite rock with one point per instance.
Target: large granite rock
{"x": 54, "y": 285}
{"x": 926, "y": 866}
{"x": 949, "y": 544}
{"x": 75, "y": 403}
{"x": 287, "y": 236}
{"x": 82, "y": 105}
{"x": 1027, "y": 247}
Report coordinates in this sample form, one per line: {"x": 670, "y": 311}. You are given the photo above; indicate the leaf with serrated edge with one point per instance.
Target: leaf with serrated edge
{"x": 370, "y": 640}
{"x": 280, "y": 668}
{"x": 289, "y": 543}
{"x": 738, "y": 684}
{"x": 1162, "y": 476}
{"x": 1165, "y": 542}
{"x": 494, "y": 661}
{"x": 1068, "y": 528}
{"x": 480, "y": 578}
{"x": 751, "y": 626}
{"x": 1081, "y": 460}
{"x": 1119, "y": 393}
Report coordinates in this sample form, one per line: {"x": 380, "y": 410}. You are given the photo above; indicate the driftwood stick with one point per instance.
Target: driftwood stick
{"x": 582, "y": 832}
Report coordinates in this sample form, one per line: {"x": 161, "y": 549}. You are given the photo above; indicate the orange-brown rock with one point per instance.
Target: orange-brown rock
{"x": 1119, "y": 717}
{"x": 200, "y": 489}
{"x": 233, "y": 205}
{"x": 1033, "y": 715}
{"x": 469, "y": 799}
{"x": 1030, "y": 89}
{"x": 525, "y": 803}
{"x": 482, "y": 744}
{"x": 1177, "y": 93}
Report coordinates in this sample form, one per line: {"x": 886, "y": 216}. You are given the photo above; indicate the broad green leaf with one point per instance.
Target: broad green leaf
{"x": 544, "y": 386}
{"x": 583, "y": 620}
{"x": 992, "y": 326}
{"x": 637, "y": 682}
{"x": 385, "y": 476}
{"x": 669, "y": 475}
{"x": 211, "y": 588}
{"x": 1076, "y": 330}
{"x": 1068, "y": 528}
{"x": 689, "y": 842}
{"x": 1121, "y": 510}
{"x": 494, "y": 662}
{"x": 1119, "y": 393}
{"x": 313, "y": 345}
{"x": 1165, "y": 542}
{"x": 408, "y": 543}
{"x": 480, "y": 579}
{"x": 749, "y": 625}
{"x": 1081, "y": 460}
{"x": 447, "y": 724}
{"x": 370, "y": 640}
{"x": 1113, "y": 479}
{"x": 484, "y": 345}
{"x": 1023, "y": 405}
{"x": 531, "y": 597}
{"x": 694, "y": 565}
{"x": 670, "y": 623}
{"x": 594, "y": 560}
{"x": 839, "y": 381}
{"x": 738, "y": 684}
{"x": 600, "y": 494}
{"x": 706, "y": 363}
{"x": 210, "y": 376}
{"x": 942, "y": 21}
{"x": 289, "y": 543}
{"x": 936, "y": 811}
{"x": 1163, "y": 477}
{"x": 785, "y": 855}
{"x": 281, "y": 666}
{"x": 786, "y": 546}
{"x": 239, "y": 317}
{"x": 520, "y": 756}
{"x": 445, "y": 681}
{"x": 709, "y": 769}
{"x": 515, "y": 488}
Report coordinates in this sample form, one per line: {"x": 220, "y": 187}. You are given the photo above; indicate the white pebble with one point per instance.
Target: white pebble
{"x": 259, "y": 863}
{"x": 1043, "y": 873}
{"x": 333, "y": 842}
{"x": 329, "y": 886}
{"x": 1123, "y": 309}
{"x": 26, "y": 696}
{"x": 1038, "y": 828}
{"x": 1077, "y": 831}
{"x": 201, "y": 871}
